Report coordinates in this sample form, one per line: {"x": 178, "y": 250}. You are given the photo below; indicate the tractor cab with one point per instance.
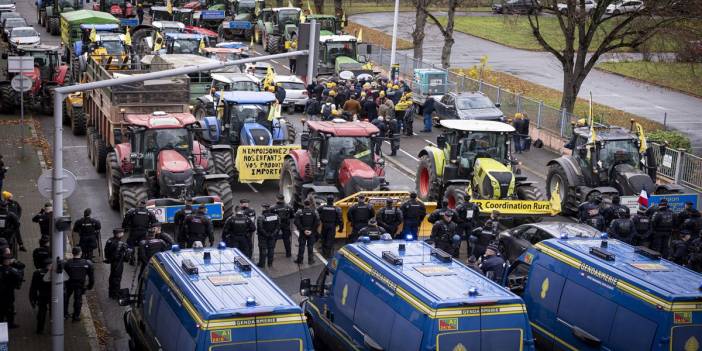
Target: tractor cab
{"x": 329, "y": 24}
{"x": 467, "y": 143}
{"x": 48, "y": 66}
{"x": 184, "y": 43}
{"x": 246, "y": 9}
{"x": 160, "y": 13}
{"x": 232, "y": 81}
{"x": 164, "y": 27}
{"x": 117, "y": 8}
{"x": 209, "y": 19}
{"x": 339, "y": 53}
{"x": 286, "y": 19}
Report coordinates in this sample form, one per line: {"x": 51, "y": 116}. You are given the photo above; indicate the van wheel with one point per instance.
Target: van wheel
{"x": 316, "y": 341}
{"x": 132, "y": 345}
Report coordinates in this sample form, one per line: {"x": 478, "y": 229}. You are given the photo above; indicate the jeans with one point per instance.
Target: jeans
{"x": 427, "y": 121}
{"x": 517, "y": 141}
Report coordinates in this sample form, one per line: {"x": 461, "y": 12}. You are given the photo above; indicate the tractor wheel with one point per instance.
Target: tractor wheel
{"x": 428, "y": 189}
{"x": 7, "y": 94}
{"x": 114, "y": 176}
{"x": 47, "y": 21}
{"x": 530, "y": 193}
{"x": 75, "y": 70}
{"x": 273, "y": 44}
{"x": 78, "y": 121}
{"x": 200, "y": 111}
{"x": 291, "y": 184}
{"x": 292, "y": 133}
{"x": 557, "y": 178}
{"x": 48, "y": 107}
{"x": 54, "y": 26}
{"x": 100, "y": 155}
{"x": 455, "y": 194}
{"x": 223, "y": 190}
{"x": 222, "y": 162}
{"x": 130, "y": 195}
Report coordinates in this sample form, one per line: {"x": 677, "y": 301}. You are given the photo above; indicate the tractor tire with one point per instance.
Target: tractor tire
{"x": 556, "y": 175}
{"x": 48, "y": 107}
{"x": 7, "y": 94}
{"x": 530, "y": 193}
{"x": 273, "y": 44}
{"x": 223, "y": 190}
{"x": 428, "y": 189}
{"x": 258, "y": 36}
{"x": 75, "y": 70}
{"x": 89, "y": 135}
{"x": 54, "y": 26}
{"x": 47, "y": 20}
{"x": 130, "y": 195}
{"x": 114, "y": 177}
{"x": 291, "y": 184}
{"x": 200, "y": 111}
{"x": 455, "y": 194}
{"x": 222, "y": 162}
{"x": 292, "y": 133}
{"x": 78, "y": 121}
{"x": 100, "y": 155}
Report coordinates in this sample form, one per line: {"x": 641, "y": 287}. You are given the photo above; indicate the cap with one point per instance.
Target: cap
{"x": 44, "y": 239}
{"x": 142, "y": 203}
{"x": 330, "y": 197}
{"x": 664, "y": 201}
{"x": 243, "y": 201}
{"x": 448, "y": 213}
{"x": 266, "y": 205}
{"x": 388, "y": 201}
{"x": 48, "y": 204}
{"x": 280, "y": 197}
{"x": 413, "y": 195}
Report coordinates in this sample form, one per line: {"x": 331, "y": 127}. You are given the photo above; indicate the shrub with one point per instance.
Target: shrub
{"x": 674, "y": 139}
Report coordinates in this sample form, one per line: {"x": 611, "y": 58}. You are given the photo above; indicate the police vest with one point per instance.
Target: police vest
{"x": 390, "y": 216}
{"x": 240, "y": 226}
{"x": 140, "y": 219}
{"x": 196, "y": 225}
{"x": 361, "y": 213}
{"x": 77, "y": 270}
{"x": 414, "y": 210}
{"x": 270, "y": 222}
{"x": 283, "y": 212}
{"x": 307, "y": 218}
{"x": 327, "y": 214}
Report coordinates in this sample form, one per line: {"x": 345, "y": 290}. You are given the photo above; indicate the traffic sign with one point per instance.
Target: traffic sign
{"x": 21, "y": 83}
{"x": 45, "y": 183}
{"x": 20, "y": 64}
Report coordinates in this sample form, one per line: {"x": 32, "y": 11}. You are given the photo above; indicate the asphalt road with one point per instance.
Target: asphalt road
{"x": 641, "y": 99}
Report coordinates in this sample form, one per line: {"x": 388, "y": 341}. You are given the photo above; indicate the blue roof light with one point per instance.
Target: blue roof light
{"x": 175, "y": 248}
{"x": 364, "y": 239}
{"x": 222, "y": 245}
{"x": 250, "y": 301}
{"x": 473, "y": 291}
{"x": 409, "y": 237}
{"x": 247, "y": 97}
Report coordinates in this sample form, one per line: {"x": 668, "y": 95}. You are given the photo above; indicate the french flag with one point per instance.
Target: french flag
{"x": 643, "y": 198}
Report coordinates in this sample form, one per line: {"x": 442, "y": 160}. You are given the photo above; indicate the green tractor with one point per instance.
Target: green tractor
{"x": 473, "y": 157}
{"x": 329, "y": 24}
{"x": 276, "y": 28}
{"x": 338, "y": 53}
{"x": 242, "y": 21}
{"x": 52, "y": 14}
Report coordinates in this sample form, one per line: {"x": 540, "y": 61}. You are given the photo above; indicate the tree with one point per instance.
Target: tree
{"x": 586, "y": 34}
{"x": 446, "y": 31}
{"x": 338, "y": 9}
{"x": 420, "y": 21}
{"x": 318, "y": 6}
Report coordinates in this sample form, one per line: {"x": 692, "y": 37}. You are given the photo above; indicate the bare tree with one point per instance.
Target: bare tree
{"x": 297, "y": 3}
{"x": 318, "y": 6}
{"x": 338, "y": 9}
{"x": 446, "y": 31}
{"x": 588, "y": 33}
{"x": 420, "y": 22}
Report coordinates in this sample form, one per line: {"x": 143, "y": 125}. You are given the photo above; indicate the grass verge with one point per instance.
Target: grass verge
{"x": 684, "y": 77}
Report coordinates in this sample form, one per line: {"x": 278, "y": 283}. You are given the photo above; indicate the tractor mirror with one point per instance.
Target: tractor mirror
{"x": 304, "y": 140}
{"x": 305, "y": 286}
{"x": 441, "y": 141}
{"x": 362, "y": 59}
{"x": 497, "y": 105}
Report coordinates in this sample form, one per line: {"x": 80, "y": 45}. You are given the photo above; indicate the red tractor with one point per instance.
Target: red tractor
{"x": 49, "y": 72}
{"x": 117, "y": 8}
{"x": 336, "y": 158}
{"x": 162, "y": 161}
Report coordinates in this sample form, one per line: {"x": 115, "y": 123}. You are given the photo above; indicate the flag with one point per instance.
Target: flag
{"x": 343, "y": 19}
{"x": 593, "y": 136}
{"x": 127, "y": 38}
{"x": 643, "y": 145}
{"x": 643, "y": 198}
{"x": 360, "y": 36}
{"x": 309, "y": 8}
{"x": 269, "y": 75}
{"x": 251, "y": 45}
{"x": 93, "y": 35}
{"x": 302, "y": 17}
{"x": 290, "y": 4}
{"x": 169, "y": 7}
{"x": 202, "y": 45}
{"x": 158, "y": 42}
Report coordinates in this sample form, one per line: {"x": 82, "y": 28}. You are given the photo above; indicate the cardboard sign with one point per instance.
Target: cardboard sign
{"x": 259, "y": 163}
{"x": 676, "y": 202}
{"x": 166, "y": 214}
{"x": 517, "y": 207}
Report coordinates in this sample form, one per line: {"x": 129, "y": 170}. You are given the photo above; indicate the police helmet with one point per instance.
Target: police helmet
{"x": 141, "y": 203}
{"x": 413, "y": 195}
{"x": 76, "y": 251}
{"x": 117, "y": 231}
{"x": 597, "y": 199}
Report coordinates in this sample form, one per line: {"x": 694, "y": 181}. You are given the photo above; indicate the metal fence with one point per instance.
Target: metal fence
{"x": 675, "y": 165}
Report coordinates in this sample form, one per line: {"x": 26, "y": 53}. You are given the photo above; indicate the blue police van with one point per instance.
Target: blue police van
{"x": 599, "y": 294}
{"x": 405, "y": 296}
{"x": 212, "y": 299}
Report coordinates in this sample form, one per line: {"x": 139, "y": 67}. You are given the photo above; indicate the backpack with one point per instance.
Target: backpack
{"x": 326, "y": 111}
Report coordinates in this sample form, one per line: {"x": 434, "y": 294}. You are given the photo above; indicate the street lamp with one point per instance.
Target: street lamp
{"x": 393, "y": 70}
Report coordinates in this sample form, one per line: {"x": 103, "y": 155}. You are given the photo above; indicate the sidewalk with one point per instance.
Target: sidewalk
{"x": 24, "y": 169}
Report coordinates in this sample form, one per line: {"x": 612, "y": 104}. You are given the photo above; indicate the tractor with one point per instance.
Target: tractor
{"x": 117, "y": 8}
{"x": 108, "y": 48}
{"x": 616, "y": 162}
{"x": 243, "y": 118}
{"x": 224, "y": 81}
{"x": 336, "y": 159}
{"x": 244, "y": 13}
{"x": 472, "y": 157}
{"x": 338, "y": 53}
{"x": 277, "y": 28}
{"x": 208, "y": 19}
{"x": 49, "y": 72}
{"x": 53, "y": 11}
{"x": 160, "y": 13}
{"x": 163, "y": 162}
{"x": 329, "y": 24}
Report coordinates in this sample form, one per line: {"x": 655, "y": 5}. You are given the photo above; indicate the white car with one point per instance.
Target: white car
{"x": 295, "y": 92}
{"x": 590, "y": 5}
{"x": 7, "y": 5}
{"x": 24, "y": 36}
{"x": 259, "y": 69}
{"x": 10, "y": 23}
{"x": 624, "y": 6}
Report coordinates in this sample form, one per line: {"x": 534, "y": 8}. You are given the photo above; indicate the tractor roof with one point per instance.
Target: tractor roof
{"x": 88, "y": 16}
{"x": 247, "y": 97}
{"x": 187, "y": 36}
{"x": 100, "y": 27}
{"x": 285, "y": 8}
{"x": 320, "y": 16}
{"x": 471, "y": 125}
{"x": 37, "y": 48}
{"x": 343, "y": 128}
{"x": 227, "y": 77}
{"x": 178, "y": 60}
{"x": 337, "y": 38}
{"x": 168, "y": 24}
{"x": 175, "y": 9}
{"x": 110, "y": 37}
{"x": 605, "y": 132}
{"x": 161, "y": 120}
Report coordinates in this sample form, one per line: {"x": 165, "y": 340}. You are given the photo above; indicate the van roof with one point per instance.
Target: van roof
{"x": 649, "y": 278}
{"x": 437, "y": 284}
{"x": 221, "y": 290}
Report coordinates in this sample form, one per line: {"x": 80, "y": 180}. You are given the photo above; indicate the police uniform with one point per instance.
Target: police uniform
{"x": 493, "y": 265}
{"x": 377, "y": 140}
{"x": 9, "y": 229}
{"x": 662, "y": 224}
{"x": 250, "y": 213}
{"x": 149, "y": 247}
{"x": 358, "y": 215}
{"x": 394, "y": 135}
{"x": 372, "y": 230}
{"x": 88, "y": 230}
{"x": 137, "y": 222}
{"x": 286, "y": 213}
{"x": 268, "y": 230}
{"x": 680, "y": 252}
{"x": 236, "y": 232}
{"x": 116, "y": 253}
{"x": 41, "y": 253}
{"x": 77, "y": 270}
{"x": 442, "y": 233}
{"x": 612, "y": 212}
{"x": 179, "y": 223}
{"x": 331, "y": 218}
{"x": 589, "y": 213}
{"x": 40, "y": 294}
{"x": 439, "y": 212}
{"x": 11, "y": 276}
{"x": 198, "y": 228}
{"x": 413, "y": 213}
{"x": 306, "y": 220}
{"x": 642, "y": 228}
{"x": 390, "y": 219}
{"x": 44, "y": 220}
{"x": 695, "y": 255}
{"x": 622, "y": 228}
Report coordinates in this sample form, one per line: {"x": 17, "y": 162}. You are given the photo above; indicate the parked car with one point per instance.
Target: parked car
{"x": 467, "y": 105}
{"x": 517, "y": 240}
{"x": 10, "y": 23}
{"x": 7, "y": 6}
{"x": 9, "y": 14}
{"x": 295, "y": 92}
{"x": 24, "y": 36}
{"x": 590, "y": 6}
{"x": 517, "y": 6}
{"x": 259, "y": 69}
{"x": 624, "y": 6}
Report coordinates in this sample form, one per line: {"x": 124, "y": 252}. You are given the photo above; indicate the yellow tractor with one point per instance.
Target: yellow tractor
{"x": 73, "y": 113}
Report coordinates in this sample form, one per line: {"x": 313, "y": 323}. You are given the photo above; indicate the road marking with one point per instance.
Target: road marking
{"x": 75, "y": 147}
{"x": 252, "y": 187}
{"x": 432, "y": 144}
{"x": 533, "y": 171}
{"x": 659, "y": 107}
{"x": 404, "y": 152}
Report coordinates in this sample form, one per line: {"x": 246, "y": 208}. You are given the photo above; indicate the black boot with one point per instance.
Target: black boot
{"x": 261, "y": 264}
{"x": 298, "y": 260}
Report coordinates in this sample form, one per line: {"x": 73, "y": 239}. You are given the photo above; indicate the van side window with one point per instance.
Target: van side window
{"x": 628, "y": 323}
{"x": 596, "y": 319}
{"x": 151, "y": 303}
{"x": 345, "y": 294}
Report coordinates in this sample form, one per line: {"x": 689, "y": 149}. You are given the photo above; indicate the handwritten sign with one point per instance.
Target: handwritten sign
{"x": 259, "y": 163}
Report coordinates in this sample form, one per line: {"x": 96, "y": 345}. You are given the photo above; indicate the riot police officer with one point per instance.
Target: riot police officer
{"x": 372, "y": 230}
{"x": 149, "y": 247}
{"x": 358, "y": 215}
{"x": 612, "y": 212}
{"x": 116, "y": 253}
{"x": 137, "y": 222}
{"x": 198, "y": 227}
{"x": 286, "y": 213}
{"x": 332, "y": 220}
{"x": 88, "y": 230}
{"x": 268, "y": 230}
{"x": 40, "y": 292}
{"x": 248, "y": 212}
{"x": 306, "y": 222}
{"x": 157, "y": 228}
{"x": 493, "y": 264}
{"x": 622, "y": 228}
{"x": 413, "y": 213}
{"x": 390, "y": 218}
{"x": 443, "y": 231}
{"x": 179, "y": 222}
{"x": 41, "y": 253}
{"x": 11, "y": 276}
{"x": 662, "y": 224}
{"x": 642, "y": 227}
{"x": 10, "y": 229}
{"x": 44, "y": 218}
{"x": 78, "y": 271}
{"x": 394, "y": 131}
{"x": 680, "y": 249}
{"x": 692, "y": 224}
{"x": 695, "y": 254}
{"x": 439, "y": 212}
{"x": 589, "y": 213}
{"x": 466, "y": 218}
{"x": 236, "y": 232}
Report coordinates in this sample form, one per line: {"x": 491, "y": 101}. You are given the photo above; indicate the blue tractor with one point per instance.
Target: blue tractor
{"x": 243, "y": 118}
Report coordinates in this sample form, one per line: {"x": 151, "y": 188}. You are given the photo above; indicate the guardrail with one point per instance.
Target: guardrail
{"x": 676, "y": 166}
